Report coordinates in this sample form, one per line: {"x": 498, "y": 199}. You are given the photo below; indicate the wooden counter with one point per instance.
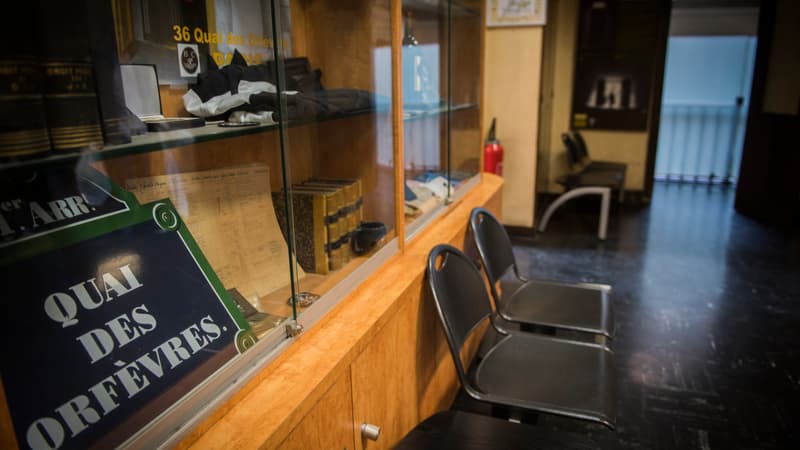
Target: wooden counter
{"x": 380, "y": 356}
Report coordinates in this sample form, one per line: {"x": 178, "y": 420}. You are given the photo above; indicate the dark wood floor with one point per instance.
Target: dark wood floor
{"x": 708, "y": 319}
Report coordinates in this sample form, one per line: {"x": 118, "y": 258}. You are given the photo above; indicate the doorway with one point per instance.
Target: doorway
{"x": 704, "y": 108}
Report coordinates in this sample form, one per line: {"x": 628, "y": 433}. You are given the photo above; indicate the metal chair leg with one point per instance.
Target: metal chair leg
{"x": 604, "y": 192}
{"x": 605, "y": 204}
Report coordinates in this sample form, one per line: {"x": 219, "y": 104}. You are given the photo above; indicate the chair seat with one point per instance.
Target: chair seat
{"x": 595, "y": 178}
{"x": 565, "y": 378}
{"x": 606, "y": 165}
{"x": 469, "y": 431}
{"x": 520, "y": 370}
{"x": 557, "y": 305}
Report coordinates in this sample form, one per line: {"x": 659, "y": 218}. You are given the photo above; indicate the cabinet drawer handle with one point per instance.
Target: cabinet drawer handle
{"x": 370, "y": 431}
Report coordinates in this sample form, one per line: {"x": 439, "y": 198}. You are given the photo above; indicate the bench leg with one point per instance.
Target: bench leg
{"x": 604, "y": 192}
{"x": 605, "y": 204}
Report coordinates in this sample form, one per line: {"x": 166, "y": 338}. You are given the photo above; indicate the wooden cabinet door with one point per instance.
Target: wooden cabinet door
{"x": 329, "y": 424}
{"x": 384, "y": 382}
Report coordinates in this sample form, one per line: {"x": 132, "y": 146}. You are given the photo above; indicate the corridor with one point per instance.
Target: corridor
{"x": 708, "y": 337}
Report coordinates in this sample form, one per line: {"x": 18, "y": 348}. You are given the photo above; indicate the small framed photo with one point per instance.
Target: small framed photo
{"x": 515, "y": 13}
{"x": 188, "y": 60}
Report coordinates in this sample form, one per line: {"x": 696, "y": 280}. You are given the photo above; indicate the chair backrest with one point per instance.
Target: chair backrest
{"x": 460, "y": 297}
{"x": 583, "y": 150}
{"x": 494, "y": 246}
{"x": 573, "y": 153}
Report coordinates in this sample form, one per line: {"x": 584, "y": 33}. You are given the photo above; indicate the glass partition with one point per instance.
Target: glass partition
{"x": 426, "y": 135}
{"x": 441, "y": 57}
{"x": 336, "y": 96}
{"x": 181, "y": 182}
{"x": 465, "y": 75}
{"x": 143, "y": 248}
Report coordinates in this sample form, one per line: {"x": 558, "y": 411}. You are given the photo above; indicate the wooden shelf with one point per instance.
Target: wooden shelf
{"x": 164, "y": 140}
{"x": 374, "y": 309}
{"x": 301, "y": 377}
{"x": 414, "y": 114}
{"x": 439, "y": 7}
{"x": 276, "y": 302}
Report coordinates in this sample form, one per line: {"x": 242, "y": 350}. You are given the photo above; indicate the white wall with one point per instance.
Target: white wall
{"x": 708, "y": 70}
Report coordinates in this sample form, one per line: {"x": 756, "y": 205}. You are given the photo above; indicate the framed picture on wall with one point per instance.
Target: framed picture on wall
{"x": 515, "y": 13}
{"x": 611, "y": 91}
{"x": 615, "y": 64}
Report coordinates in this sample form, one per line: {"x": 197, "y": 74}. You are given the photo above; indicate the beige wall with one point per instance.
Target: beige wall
{"x": 557, "y": 89}
{"x": 623, "y": 146}
{"x": 513, "y": 59}
{"x": 546, "y": 105}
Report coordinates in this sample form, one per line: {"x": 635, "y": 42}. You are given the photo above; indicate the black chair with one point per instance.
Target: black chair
{"x": 583, "y": 153}
{"x": 588, "y": 165}
{"x": 466, "y": 431}
{"x": 586, "y": 179}
{"x": 580, "y": 307}
{"x": 527, "y": 371}
{"x": 584, "y": 172}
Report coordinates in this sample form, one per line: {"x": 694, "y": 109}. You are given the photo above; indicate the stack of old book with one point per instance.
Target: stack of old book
{"x": 327, "y": 212}
{"x": 61, "y": 90}
{"x": 23, "y": 128}
{"x": 70, "y": 95}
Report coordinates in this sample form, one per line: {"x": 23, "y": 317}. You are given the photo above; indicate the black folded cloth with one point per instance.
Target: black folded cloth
{"x": 298, "y": 76}
{"x": 312, "y": 100}
{"x": 322, "y": 104}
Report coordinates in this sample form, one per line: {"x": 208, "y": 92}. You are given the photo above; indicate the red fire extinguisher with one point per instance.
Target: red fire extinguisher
{"x": 493, "y": 153}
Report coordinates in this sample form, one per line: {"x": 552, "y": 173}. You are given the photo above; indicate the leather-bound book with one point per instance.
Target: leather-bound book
{"x": 353, "y": 191}
{"x": 349, "y": 212}
{"x": 310, "y": 230}
{"x": 70, "y": 97}
{"x": 336, "y": 229}
{"x": 23, "y": 128}
{"x": 353, "y": 197}
{"x": 118, "y": 123}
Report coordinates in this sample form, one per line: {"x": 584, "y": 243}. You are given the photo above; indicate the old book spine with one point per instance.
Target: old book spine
{"x": 335, "y": 225}
{"x": 69, "y": 86}
{"x": 342, "y": 202}
{"x": 352, "y": 208}
{"x": 111, "y": 99}
{"x": 311, "y": 233}
{"x": 336, "y": 254}
{"x": 335, "y": 229}
{"x": 353, "y": 211}
{"x": 23, "y": 128}
{"x": 359, "y": 201}
{"x": 347, "y": 211}
{"x": 309, "y": 230}
{"x": 71, "y": 106}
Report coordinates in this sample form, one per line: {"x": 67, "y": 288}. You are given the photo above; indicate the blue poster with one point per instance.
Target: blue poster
{"x": 107, "y": 324}
{"x": 35, "y": 202}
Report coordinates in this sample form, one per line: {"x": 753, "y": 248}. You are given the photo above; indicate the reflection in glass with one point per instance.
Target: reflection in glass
{"x": 335, "y": 96}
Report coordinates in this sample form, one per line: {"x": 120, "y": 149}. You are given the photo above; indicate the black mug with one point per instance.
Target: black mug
{"x": 367, "y": 236}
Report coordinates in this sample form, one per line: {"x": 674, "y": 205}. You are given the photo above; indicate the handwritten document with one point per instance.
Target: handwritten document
{"x": 230, "y": 214}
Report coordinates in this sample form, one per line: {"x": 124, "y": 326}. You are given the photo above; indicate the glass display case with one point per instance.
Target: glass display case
{"x": 441, "y": 58}
{"x": 188, "y": 184}
{"x": 339, "y": 135}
